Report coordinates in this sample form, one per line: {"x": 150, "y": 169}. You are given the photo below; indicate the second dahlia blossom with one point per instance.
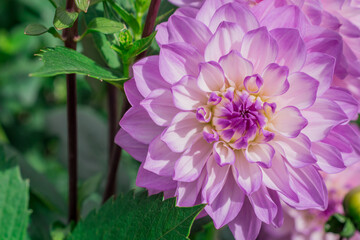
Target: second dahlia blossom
{"x": 237, "y": 117}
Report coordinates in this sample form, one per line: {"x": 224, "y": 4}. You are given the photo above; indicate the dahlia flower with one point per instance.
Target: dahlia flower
{"x": 309, "y": 224}
{"x": 237, "y": 116}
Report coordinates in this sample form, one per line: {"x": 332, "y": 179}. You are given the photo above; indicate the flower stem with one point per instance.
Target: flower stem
{"x": 69, "y": 35}
{"x": 116, "y": 151}
{"x": 112, "y": 119}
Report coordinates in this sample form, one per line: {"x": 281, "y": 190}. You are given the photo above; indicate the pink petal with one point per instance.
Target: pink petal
{"x": 310, "y": 188}
{"x": 235, "y": 75}
{"x": 147, "y": 75}
{"x": 288, "y": 122}
{"x": 187, "y": 95}
{"x": 236, "y": 13}
{"x": 135, "y": 148}
{"x": 159, "y": 105}
{"x": 277, "y": 178}
{"x": 321, "y": 67}
{"x": 275, "y": 80}
{"x": 182, "y": 132}
{"x": 188, "y": 193}
{"x": 345, "y": 100}
{"x": 257, "y": 43}
{"x": 264, "y": 207}
{"x": 177, "y": 60}
{"x": 279, "y": 218}
{"x": 215, "y": 181}
{"x": 248, "y": 175}
{"x": 160, "y": 159}
{"x": 188, "y": 30}
{"x": 227, "y": 204}
{"x": 328, "y": 157}
{"x": 150, "y": 180}
{"x": 211, "y": 77}
{"x": 208, "y": 9}
{"x": 299, "y": 82}
{"x": 292, "y": 51}
{"x": 261, "y": 153}
{"x": 132, "y": 93}
{"x": 223, "y": 154}
{"x": 189, "y": 166}
{"x": 295, "y": 150}
{"x": 246, "y": 225}
{"x": 227, "y": 37}
{"x": 139, "y": 125}
{"x": 322, "y": 117}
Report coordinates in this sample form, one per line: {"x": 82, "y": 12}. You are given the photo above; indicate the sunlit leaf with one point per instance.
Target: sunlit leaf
{"x": 104, "y": 25}
{"x": 128, "y": 18}
{"x": 83, "y": 5}
{"x": 64, "y": 19}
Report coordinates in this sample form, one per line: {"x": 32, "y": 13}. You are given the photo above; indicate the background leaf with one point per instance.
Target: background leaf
{"x": 137, "y": 217}
{"x": 14, "y": 197}
{"x": 61, "y": 60}
{"x": 104, "y": 25}
{"x": 35, "y": 29}
{"x": 64, "y": 19}
{"x": 129, "y": 19}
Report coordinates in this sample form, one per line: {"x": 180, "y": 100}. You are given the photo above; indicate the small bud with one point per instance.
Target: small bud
{"x": 351, "y": 205}
{"x": 125, "y": 39}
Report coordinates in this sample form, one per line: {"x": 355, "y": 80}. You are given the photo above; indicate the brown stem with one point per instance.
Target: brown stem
{"x": 116, "y": 153}
{"x": 112, "y": 119}
{"x": 69, "y": 35}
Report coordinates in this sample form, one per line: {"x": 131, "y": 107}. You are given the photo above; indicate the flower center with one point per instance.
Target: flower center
{"x": 236, "y": 117}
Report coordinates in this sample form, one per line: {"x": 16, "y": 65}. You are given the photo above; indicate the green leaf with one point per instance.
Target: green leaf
{"x": 14, "y": 198}
{"x": 64, "y": 19}
{"x": 137, "y": 217}
{"x": 35, "y": 29}
{"x": 104, "y": 25}
{"x": 61, "y": 60}
{"x": 348, "y": 230}
{"x": 88, "y": 187}
{"x": 335, "y": 223}
{"x": 129, "y": 19}
{"x": 83, "y": 5}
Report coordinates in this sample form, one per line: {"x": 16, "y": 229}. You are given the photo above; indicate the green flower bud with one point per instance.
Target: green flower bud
{"x": 351, "y": 205}
{"x": 125, "y": 39}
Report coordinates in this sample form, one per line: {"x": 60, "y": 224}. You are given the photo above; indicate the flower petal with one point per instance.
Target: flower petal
{"x": 160, "y": 107}
{"x": 223, "y": 154}
{"x": 211, "y": 77}
{"x": 288, "y": 122}
{"x": 147, "y": 75}
{"x": 275, "y": 80}
{"x": 227, "y": 204}
{"x": 135, "y": 148}
{"x": 150, "y": 180}
{"x": 264, "y": 207}
{"x": 190, "y": 164}
{"x": 139, "y": 125}
{"x": 248, "y": 175}
{"x": 160, "y": 159}
{"x": 246, "y": 225}
{"x": 182, "y": 132}
{"x": 132, "y": 93}
{"x": 292, "y": 51}
{"x": 257, "y": 43}
{"x": 189, "y": 193}
{"x": 328, "y": 157}
{"x": 260, "y": 153}
{"x": 177, "y": 60}
{"x": 215, "y": 179}
{"x": 227, "y": 37}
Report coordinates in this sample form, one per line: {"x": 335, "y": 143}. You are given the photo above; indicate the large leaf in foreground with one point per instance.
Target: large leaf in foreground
{"x": 61, "y": 60}
{"x": 137, "y": 217}
{"x": 14, "y": 198}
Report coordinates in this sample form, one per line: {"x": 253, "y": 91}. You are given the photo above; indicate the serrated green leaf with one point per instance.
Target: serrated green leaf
{"x": 137, "y": 218}
{"x": 64, "y": 19}
{"x": 35, "y": 29}
{"x": 129, "y": 19}
{"x": 83, "y": 5}
{"x": 104, "y": 25}
{"x": 14, "y": 198}
{"x": 61, "y": 60}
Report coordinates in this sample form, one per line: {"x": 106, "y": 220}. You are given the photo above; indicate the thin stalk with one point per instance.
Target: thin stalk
{"x": 115, "y": 156}
{"x": 112, "y": 118}
{"x": 69, "y": 35}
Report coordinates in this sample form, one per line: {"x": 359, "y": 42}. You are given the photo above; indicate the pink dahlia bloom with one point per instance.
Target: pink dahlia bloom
{"x": 309, "y": 224}
{"x": 341, "y": 19}
{"x": 237, "y": 116}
